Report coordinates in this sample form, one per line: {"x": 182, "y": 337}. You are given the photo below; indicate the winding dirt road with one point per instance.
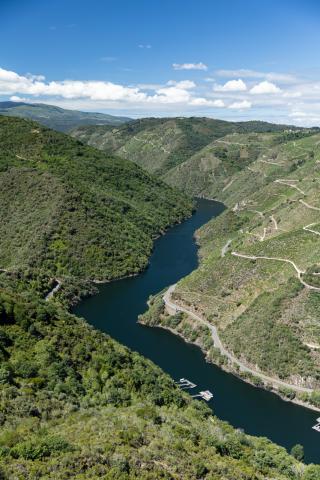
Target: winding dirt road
{"x": 262, "y": 257}
{"x": 308, "y": 229}
{"x": 225, "y": 247}
{"x": 308, "y": 205}
{"x": 274, "y": 221}
{"x": 53, "y": 291}
{"x": 228, "y": 185}
{"x": 288, "y": 184}
{"x": 174, "y": 308}
{"x": 269, "y": 162}
{"x": 297, "y": 269}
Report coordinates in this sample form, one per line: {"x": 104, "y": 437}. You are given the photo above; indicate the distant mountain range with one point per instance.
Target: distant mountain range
{"x": 58, "y": 118}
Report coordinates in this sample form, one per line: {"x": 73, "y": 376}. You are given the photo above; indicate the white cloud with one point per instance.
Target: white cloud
{"x": 265, "y": 87}
{"x": 15, "y": 98}
{"x": 292, "y": 94}
{"x": 244, "y": 104}
{"x": 185, "y": 84}
{"x": 40, "y": 78}
{"x": 203, "y": 102}
{"x": 95, "y": 90}
{"x": 11, "y": 83}
{"x": 174, "y": 92}
{"x": 231, "y": 86}
{"x": 298, "y": 114}
{"x": 149, "y": 86}
{"x": 246, "y": 73}
{"x": 147, "y": 46}
{"x": 308, "y": 116}
{"x": 298, "y": 103}
{"x": 189, "y": 66}
{"x": 8, "y": 76}
{"x": 171, "y": 95}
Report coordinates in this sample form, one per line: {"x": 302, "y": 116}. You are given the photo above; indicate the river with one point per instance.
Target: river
{"x": 116, "y": 308}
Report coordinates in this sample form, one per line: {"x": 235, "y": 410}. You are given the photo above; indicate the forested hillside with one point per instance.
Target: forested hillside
{"x": 75, "y": 404}
{"x": 68, "y": 210}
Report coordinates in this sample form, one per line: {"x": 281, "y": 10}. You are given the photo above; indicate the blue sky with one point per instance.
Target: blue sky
{"x": 235, "y": 59}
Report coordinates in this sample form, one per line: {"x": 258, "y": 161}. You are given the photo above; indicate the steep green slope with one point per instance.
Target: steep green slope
{"x": 72, "y": 211}
{"x": 58, "y": 118}
{"x": 161, "y": 144}
{"x": 75, "y": 404}
{"x": 213, "y": 169}
{"x": 258, "y": 279}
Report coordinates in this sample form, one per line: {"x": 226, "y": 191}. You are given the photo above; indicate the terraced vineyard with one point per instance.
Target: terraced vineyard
{"x": 258, "y": 281}
{"x": 183, "y": 151}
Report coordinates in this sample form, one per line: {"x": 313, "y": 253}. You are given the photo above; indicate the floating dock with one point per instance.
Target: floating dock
{"x": 316, "y": 427}
{"x": 185, "y": 383}
{"x": 205, "y": 395}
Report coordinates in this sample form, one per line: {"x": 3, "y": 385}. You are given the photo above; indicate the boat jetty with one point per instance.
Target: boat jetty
{"x": 185, "y": 383}
{"x": 316, "y": 427}
{"x": 206, "y": 395}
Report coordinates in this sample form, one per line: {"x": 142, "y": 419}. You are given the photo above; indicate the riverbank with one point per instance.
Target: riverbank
{"x": 214, "y": 351}
{"x": 117, "y": 306}
{"x": 234, "y": 372}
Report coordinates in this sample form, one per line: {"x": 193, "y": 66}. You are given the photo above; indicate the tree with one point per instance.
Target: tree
{"x": 297, "y": 452}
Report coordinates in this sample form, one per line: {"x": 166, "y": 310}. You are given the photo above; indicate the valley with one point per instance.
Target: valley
{"x": 118, "y": 305}
{"x": 159, "y": 240}
{"x": 72, "y": 212}
{"x": 265, "y": 242}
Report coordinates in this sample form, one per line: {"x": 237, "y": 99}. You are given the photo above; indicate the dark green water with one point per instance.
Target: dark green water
{"x": 115, "y": 309}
